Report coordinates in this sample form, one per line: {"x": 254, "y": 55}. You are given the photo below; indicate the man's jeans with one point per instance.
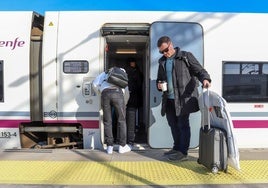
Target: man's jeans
{"x": 115, "y": 98}
{"x": 180, "y": 128}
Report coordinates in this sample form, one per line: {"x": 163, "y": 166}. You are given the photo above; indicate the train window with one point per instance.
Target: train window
{"x": 245, "y": 81}
{"x": 75, "y": 67}
{"x": 1, "y": 81}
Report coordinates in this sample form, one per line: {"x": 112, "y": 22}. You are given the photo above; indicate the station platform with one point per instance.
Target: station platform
{"x": 142, "y": 167}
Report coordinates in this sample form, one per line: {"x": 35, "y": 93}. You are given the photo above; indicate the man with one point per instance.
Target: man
{"x": 177, "y": 69}
{"x": 135, "y": 100}
{"x": 112, "y": 96}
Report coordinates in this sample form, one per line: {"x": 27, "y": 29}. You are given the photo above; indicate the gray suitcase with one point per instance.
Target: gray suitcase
{"x": 213, "y": 152}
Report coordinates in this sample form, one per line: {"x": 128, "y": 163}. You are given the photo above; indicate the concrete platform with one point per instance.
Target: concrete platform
{"x": 143, "y": 153}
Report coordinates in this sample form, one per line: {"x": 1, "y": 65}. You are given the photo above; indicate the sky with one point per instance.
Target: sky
{"x": 40, "y": 6}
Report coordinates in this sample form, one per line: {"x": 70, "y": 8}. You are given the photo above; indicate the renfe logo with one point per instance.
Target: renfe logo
{"x": 12, "y": 44}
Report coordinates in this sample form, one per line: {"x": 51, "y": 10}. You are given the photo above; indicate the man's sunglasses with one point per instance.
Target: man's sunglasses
{"x": 165, "y": 50}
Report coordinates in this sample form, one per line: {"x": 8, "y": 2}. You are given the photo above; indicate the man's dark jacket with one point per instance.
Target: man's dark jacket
{"x": 184, "y": 82}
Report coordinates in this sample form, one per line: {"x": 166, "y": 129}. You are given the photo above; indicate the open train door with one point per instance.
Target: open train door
{"x": 189, "y": 37}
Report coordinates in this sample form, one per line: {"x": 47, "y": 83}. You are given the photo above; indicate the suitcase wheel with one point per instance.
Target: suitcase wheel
{"x": 198, "y": 161}
{"x": 214, "y": 169}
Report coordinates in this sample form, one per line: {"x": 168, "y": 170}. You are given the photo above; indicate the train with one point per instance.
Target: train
{"x": 48, "y": 63}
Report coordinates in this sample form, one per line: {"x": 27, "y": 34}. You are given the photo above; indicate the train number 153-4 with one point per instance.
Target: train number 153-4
{"x": 7, "y": 134}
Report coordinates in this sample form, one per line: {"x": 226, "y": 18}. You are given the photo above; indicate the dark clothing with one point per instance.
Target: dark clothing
{"x": 180, "y": 128}
{"x": 135, "y": 87}
{"x": 185, "y": 85}
{"x": 135, "y": 101}
{"x": 114, "y": 98}
{"x": 131, "y": 124}
{"x": 185, "y": 100}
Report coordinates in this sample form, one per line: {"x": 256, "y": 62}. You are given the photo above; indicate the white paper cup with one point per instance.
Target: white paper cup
{"x": 164, "y": 86}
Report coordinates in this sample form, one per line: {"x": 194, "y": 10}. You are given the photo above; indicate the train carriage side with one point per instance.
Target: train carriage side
{"x": 20, "y": 52}
{"x": 58, "y": 107}
{"x": 78, "y": 46}
{"x": 236, "y": 57}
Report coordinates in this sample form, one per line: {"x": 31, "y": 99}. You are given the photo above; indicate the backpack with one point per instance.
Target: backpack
{"x": 186, "y": 61}
{"x": 117, "y": 76}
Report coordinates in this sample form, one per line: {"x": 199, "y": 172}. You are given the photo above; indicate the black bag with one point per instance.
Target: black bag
{"x": 183, "y": 56}
{"x": 118, "y": 77}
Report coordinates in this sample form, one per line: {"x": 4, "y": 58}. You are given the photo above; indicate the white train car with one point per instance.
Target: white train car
{"x": 77, "y": 46}
{"x": 19, "y": 39}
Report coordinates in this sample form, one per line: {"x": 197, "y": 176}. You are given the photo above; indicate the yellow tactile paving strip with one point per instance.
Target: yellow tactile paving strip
{"x": 127, "y": 173}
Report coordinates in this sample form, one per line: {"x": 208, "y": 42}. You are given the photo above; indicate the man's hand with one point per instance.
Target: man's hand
{"x": 206, "y": 84}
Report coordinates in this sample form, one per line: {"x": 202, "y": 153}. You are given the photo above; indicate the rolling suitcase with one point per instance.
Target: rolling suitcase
{"x": 213, "y": 149}
{"x": 213, "y": 152}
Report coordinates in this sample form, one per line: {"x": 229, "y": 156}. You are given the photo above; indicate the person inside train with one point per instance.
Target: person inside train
{"x": 135, "y": 79}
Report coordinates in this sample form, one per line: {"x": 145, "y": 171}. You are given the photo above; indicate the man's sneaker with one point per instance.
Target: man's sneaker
{"x": 178, "y": 157}
{"x": 170, "y": 152}
{"x": 110, "y": 149}
{"x": 124, "y": 149}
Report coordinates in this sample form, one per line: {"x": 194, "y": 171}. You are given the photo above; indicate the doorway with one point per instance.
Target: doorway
{"x": 125, "y": 42}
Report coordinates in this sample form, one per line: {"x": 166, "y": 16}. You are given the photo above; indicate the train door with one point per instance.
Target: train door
{"x": 123, "y": 42}
{"x": 189, "y": 37}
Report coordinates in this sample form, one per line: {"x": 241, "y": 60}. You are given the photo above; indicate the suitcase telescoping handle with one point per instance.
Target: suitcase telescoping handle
{"x": 208, "y": 108}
